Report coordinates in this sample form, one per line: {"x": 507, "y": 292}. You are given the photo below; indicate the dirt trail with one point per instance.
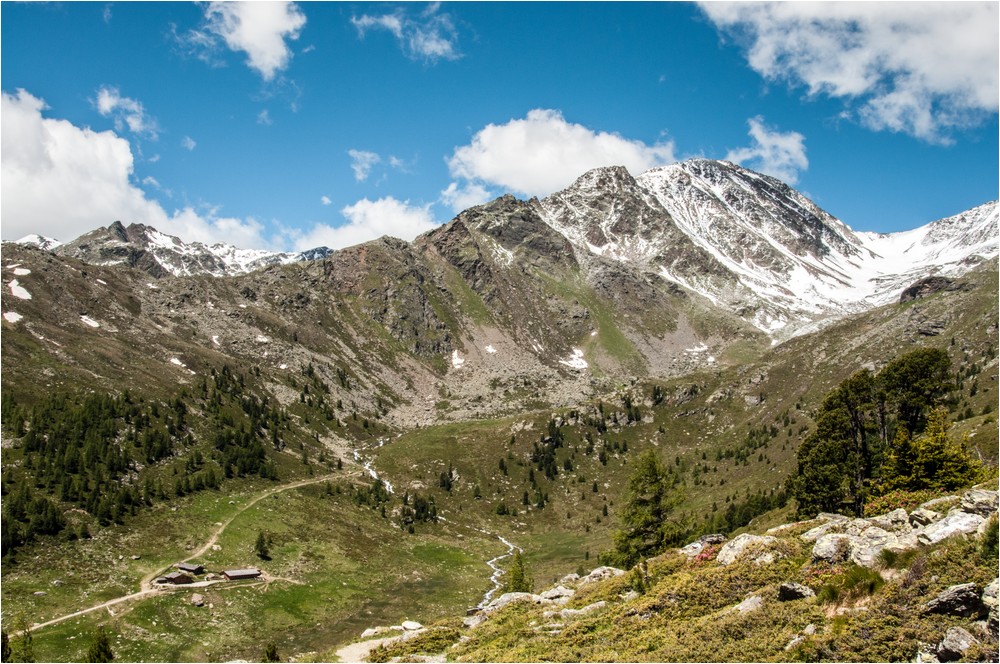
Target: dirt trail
{"x": 146, "y": 587}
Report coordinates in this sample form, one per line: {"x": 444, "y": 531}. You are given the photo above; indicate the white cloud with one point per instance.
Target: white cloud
{"x": 150, "y": 181}
{"x": 188, "y": 143}
{"x": 264, "y": 118}
{"x": 782, "y": 155}
{"x": 543, "y": 153}
{"x": 126, "y": 112}
{"x": 368, "y": 220}
{"x": 362, "y": 163}
{"x": 59, "y": 180}
{"x": 429, "y": 37}
{"x": 462, "y": 197}
{"x": 259, "y": 29}
{"x": 918, "y": 68}
{"x": 325, "y": 200}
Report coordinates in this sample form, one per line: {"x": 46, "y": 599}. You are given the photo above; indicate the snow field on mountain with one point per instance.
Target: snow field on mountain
{"x": 575, "y": 361}
{"x": 19, "y": 291}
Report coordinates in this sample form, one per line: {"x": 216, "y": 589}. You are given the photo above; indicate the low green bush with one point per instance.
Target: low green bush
{"x": 908, "y": 500}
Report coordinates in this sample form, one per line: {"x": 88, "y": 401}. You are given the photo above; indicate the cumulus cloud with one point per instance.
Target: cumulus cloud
{"x": 259, "y": 29}
{"x": 126, "y": 112}
{"x": 462, "y": 197}
{"x": 368, "y": 220}
{"x": 362, "y": 163}
{"x": 325, "y": 200}
{"x": 918, "y": 68}
{"x": 264, "y": 118}
{"x": 188, "y": 143}
{"x": 543, "y": 153}
{"x": 61, "y": 180}
{"x": 430, "y": 37}
{"x": 782, "y": 155}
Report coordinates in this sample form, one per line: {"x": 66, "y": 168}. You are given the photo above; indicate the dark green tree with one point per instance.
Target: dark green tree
{"x": 864, "y": 429}
{"x": 517, "y": 579}
{"x": 913, "y": 385}
{"x": 271, "y": 652}
{"x": 934, "y": 460}
{"x": 262, "y": 546}
{"x": 4, "y": 646}
{"x": 100, "y": 649}
{"x": 647, "y": 528}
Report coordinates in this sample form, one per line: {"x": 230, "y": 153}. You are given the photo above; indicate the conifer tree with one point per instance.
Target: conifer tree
{"x": 100, "y": 649}
{"x": 646, "y": 524}
{"x": 516, "y": 579}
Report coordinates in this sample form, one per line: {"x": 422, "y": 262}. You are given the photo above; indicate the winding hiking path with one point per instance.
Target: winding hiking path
{"x": 146, "y": 587}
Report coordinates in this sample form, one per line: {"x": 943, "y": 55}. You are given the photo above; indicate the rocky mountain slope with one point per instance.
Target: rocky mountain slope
{"x": 746, "y": 243}
{"x": 162, "y": 255}
{"x": 754, "y": 245}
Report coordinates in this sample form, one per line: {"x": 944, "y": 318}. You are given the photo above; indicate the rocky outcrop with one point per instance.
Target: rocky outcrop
{"x": 955, "y": 643}
{"x": 861, "y": 541}
{"x": 789, "y": 592}
{"x": 979, "y": 501}
{"x": 956, "y": 523}
{"x": 926, "y": 286}
{"x": 759, "y": 546}
{"x": 959, "y": 600}
{"x": 599, "y": 574}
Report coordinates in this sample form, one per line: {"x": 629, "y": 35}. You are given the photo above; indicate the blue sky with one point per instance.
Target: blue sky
{"x": 284, "y": 125}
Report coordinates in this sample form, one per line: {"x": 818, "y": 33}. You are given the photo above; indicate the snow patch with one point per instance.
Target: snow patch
{"x": 491, "y": 349}
{"x": 456, "y": 360}
{"x": 18, "y": 291}
{"x": 176, "y": 361}
{"x": 87, "y": 320}
{"x": 575, "y": 361}
{"x": 152, "y": 287}
{"x": 102, "y": 282}
{"x": 700, "y": 348}
{"x": 215, "y": 339}
{"x": 282, "y": 366}
{"x": 593, "y": 333}
{"x": 262, "y": 339}
{"x": 12, "y": 316}
{"x": 22, "y": 271}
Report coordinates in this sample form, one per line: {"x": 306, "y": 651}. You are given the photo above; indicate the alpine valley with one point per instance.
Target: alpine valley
{"x": 378, "y": 430}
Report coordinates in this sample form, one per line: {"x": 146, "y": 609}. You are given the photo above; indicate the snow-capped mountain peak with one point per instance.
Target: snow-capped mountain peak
{"x": 40, "y": 241}
{"x": 754, "y": 245}
{"x": 161, "y": 255}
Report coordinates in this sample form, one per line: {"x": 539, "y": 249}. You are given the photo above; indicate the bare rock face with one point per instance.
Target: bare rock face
{"x": 749, "y": 604}
{"x": 896, "y": 521}
{"x": 979, "y": 501}
{"x": 956, "y": 523}
{"x": 923, "y": 517}
{"x": 599, "y": 574}
{"x": 926, "y": 286}
{"x": 954, "y": 644}
{"x": 833, "y": 548}
{"x": 747, "y": 543}
{"x": 959, "y": 600}
{"x": 788, "y": 592}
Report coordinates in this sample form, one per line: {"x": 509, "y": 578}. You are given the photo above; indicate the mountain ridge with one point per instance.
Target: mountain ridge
{"x": 747, "y": 242}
